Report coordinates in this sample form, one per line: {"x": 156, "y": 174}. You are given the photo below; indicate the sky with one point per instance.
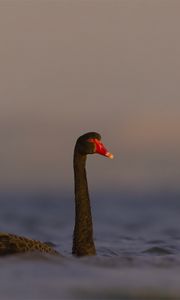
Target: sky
{"x": 69, "y": 67}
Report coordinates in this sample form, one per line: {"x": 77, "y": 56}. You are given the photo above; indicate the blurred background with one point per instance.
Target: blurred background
{"x": 68, "y": 67}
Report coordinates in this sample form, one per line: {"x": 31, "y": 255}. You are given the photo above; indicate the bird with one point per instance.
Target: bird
{"x": 83, "y": 242}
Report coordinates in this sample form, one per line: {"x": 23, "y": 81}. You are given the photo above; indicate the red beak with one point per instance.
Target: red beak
{"x": 100, "y": 148}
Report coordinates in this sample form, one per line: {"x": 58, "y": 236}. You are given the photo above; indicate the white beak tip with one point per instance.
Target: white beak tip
{"x": 110, "y": 155}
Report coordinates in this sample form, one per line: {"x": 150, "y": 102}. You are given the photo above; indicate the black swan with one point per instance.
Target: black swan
{"x": 83, "y": 243}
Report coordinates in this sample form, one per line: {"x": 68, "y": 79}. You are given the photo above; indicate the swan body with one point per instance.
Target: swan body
{"x": 12, "y": 244}
{"x": 83, "y": 243}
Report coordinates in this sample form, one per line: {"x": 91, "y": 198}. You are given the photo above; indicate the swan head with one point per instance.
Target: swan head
{"x": 90, "y": 143}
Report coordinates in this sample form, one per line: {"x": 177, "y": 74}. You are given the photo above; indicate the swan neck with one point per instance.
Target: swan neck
{"x": 83, "y": 243}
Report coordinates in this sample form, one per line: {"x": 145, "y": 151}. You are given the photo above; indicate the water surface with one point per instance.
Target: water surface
{"x": 137, "y": 238}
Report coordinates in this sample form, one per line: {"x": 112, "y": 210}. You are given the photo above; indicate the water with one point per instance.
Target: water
{"x": 137, "y": 238}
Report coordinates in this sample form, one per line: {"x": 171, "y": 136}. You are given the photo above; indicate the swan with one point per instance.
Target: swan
{"x": 83, "y": 243}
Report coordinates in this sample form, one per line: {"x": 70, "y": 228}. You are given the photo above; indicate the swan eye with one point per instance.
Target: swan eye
{"x": 93, "y": 141}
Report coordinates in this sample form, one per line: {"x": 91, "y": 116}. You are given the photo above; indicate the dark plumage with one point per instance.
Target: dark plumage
{"x": 83, "y": 243}
{"x": 11, "y": 244}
